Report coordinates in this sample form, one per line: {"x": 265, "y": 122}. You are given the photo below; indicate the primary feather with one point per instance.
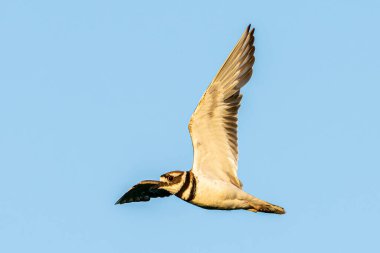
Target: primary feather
{"x": 143, "y": 191}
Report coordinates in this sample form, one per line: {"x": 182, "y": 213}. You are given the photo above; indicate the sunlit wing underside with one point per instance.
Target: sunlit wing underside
{"x": 213, "y": 125}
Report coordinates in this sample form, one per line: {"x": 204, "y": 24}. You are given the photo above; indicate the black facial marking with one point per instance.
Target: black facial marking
{"x": 172, "y": 180}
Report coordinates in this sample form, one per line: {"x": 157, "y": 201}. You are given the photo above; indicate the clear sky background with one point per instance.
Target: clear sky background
{"x": 96, "y": 96}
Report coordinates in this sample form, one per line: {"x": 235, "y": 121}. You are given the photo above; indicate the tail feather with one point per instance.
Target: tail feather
{"x": 265, "y": 207}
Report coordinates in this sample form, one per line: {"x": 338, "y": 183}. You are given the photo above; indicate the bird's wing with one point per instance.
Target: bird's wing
{"x": 143, "y": 191}
{"x": 213, "y": 125}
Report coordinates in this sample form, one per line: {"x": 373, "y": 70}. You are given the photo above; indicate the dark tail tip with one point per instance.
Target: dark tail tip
{"x": 267, "y": 208}
{"x": 272, "y": 209}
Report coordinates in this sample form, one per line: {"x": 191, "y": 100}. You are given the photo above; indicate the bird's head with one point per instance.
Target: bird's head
{"x": 172, "y": 181}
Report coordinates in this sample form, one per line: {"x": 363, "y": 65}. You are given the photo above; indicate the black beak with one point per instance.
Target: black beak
{"x": 157, "y": 186}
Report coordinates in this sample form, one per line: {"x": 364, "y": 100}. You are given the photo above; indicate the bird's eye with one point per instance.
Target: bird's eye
{"x": 170, "y": 178}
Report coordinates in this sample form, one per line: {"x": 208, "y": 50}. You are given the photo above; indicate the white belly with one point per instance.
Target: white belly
{"x": 217, "y": 194}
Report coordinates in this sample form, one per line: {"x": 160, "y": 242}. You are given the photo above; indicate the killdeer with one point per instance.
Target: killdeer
{"x": 212, "y": 182}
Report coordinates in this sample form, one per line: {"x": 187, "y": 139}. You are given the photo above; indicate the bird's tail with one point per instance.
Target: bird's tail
{"x": 258, "y": 205}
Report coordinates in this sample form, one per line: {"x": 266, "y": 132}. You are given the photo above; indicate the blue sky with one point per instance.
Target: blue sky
{"x": 96, "y": 96}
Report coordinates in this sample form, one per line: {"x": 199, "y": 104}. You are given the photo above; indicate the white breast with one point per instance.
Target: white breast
{"x": 218, "y": 194}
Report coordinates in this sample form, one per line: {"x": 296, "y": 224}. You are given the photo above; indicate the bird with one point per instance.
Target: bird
{"x": 212, "y": 182}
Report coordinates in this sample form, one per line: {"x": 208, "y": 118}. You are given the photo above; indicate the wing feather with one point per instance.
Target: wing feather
{"x": 143, "y": 191}
{"x": 213, "y": 125}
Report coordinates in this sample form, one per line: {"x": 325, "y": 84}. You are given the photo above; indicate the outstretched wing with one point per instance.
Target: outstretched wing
{"x": 143, "y": 191}
{"x": 213, "y": 125}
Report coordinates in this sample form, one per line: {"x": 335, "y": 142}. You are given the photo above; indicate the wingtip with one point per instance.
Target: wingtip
{"x": 249, "y": 30}
{"x": 120, "y": 201}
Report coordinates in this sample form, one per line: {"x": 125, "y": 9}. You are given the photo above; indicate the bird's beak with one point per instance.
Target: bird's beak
{"x": 160, "y": 184}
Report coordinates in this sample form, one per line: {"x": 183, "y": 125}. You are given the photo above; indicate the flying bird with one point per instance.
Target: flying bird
{"x": 213, "y": 183}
